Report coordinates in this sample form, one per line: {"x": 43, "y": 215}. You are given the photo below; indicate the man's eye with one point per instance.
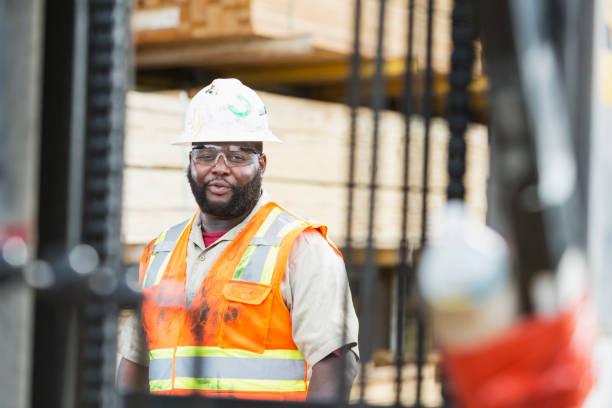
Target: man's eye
{"x": 238, "y": 158}
{"x": 206, "y": 157}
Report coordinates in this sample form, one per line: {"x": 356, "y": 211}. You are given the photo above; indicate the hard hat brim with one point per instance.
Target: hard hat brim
{"x": 212, "y": 137}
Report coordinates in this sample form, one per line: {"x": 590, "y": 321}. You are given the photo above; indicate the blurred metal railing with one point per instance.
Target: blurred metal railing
{"x": 463, "y": 34}
{"x": 78, "y": 268}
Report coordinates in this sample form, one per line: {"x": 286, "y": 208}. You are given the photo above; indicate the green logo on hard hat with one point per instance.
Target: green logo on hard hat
{"x": 237, "y": 112}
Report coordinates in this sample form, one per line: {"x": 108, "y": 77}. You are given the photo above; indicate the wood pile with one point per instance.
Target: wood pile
{"x": 307, "y": 173}
{"x": 221, "y": 32}
{"x": 380, "y": 386}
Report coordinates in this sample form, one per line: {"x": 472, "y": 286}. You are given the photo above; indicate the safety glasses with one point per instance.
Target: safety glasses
{"x": 233, "y": 155}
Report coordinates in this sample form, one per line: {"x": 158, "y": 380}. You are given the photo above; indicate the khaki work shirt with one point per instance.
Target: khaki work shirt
{"x": 314, "y": 289}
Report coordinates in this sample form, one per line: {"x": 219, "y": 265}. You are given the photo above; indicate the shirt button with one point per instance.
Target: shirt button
{"x": 201, "y": 257}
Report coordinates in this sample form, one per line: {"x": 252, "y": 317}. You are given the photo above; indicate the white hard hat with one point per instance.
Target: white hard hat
{"x": 226, "y": 111}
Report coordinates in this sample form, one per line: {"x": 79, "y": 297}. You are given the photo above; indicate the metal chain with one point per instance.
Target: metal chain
{"x": 462, "y": 59}
{"x": 106, "y": 91}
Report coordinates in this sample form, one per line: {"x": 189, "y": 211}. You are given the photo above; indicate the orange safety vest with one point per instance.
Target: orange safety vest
{"x": 235, "y": 338}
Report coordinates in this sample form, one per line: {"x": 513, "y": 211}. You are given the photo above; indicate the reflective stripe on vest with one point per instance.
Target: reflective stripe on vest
{"x": 214, "y": 368}
{"x": 257, "y": 263}
{"x": 161, "y": 254}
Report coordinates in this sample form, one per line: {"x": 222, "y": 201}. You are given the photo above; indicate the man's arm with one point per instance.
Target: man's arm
{"x": 132, "y": 376}
{"x": 325, "y": 381}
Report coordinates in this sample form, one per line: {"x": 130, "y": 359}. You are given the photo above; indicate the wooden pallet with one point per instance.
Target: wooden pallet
{"x": 213, "y": 33}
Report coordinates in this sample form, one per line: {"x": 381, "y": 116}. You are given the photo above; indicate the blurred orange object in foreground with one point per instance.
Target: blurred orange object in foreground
{"x": 540, "y": 362}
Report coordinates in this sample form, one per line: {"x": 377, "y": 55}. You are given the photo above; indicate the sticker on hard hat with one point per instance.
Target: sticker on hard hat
{"x": 244, "y": 112}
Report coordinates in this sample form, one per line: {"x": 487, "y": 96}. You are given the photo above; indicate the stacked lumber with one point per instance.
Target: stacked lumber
{"x": 308, "y": 173}
{"x": 221, "y": 32}
{"x": 380, "y": 386}
{"x": 169, "y": 20}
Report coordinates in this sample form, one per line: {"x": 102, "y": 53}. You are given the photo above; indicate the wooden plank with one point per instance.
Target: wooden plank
{"x": 141, "y": 226}
{"x": 157, "y": 19}
{"x": 152, "y": 120}
{"x": 250, "y": 50}
{"x": 164, "y": 39}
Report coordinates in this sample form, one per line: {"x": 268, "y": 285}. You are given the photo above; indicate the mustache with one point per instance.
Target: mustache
{"x": 216, "y": 179}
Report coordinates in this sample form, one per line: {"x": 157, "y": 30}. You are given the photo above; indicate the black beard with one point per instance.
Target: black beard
{"x": 242, "y": 201}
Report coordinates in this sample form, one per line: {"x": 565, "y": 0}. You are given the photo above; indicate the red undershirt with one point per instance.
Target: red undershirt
{"x": 211, "y": 237}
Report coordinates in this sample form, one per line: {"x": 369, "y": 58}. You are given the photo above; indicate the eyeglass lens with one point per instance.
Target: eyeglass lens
{"x": 233, "y": 156}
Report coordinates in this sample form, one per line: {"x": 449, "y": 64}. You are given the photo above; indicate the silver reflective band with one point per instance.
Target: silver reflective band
{"x": 240, "y": 368}
{"x": 277, "y": 231}
{"x": 262, "y": 257}
{"x": 161, "y": 254}
{"x": 258, "y": 262}
{"x": 203, "y": 367}
{"x": 160, "y": 369}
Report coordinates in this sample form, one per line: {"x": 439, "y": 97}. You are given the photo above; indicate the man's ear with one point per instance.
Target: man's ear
{"x": 263, "y": 160}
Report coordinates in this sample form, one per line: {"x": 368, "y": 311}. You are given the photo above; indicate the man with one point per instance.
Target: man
{"x": 245, "y": 299}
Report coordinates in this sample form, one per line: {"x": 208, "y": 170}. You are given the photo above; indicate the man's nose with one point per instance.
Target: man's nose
{"x": 220, "y": 164}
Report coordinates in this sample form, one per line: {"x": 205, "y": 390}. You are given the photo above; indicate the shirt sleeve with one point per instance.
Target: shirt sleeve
{"x": 323, "y": 318}
{"x": 132, "y": 342}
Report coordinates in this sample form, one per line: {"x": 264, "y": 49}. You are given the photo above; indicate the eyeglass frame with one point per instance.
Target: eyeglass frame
{"x": 220, "y": 152}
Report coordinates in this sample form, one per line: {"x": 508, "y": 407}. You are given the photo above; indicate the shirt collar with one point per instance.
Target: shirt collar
{"x": 196, "y": 231}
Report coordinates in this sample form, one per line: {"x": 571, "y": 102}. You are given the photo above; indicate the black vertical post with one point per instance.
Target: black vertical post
{"x": 84, "y": 85}
{"x": 107, "y": 83}
{"x": 403, "y": 270}
{"x": 55, "y": 341}
{"x": 353, "y": 101}
{"x": 427, "y": 107}
{"x": 366, "y": 292}
{"x": 462, "y": 60}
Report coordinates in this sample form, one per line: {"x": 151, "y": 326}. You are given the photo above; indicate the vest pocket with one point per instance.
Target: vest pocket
{"x": 245, "y": 316}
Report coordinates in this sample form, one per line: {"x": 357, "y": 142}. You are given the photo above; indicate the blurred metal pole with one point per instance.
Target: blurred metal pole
{"x": 20, "y": 56}
{"x": 366, "y": 289}
{"x": 60, "y": 187}
{"x": 403, "y": 281}
{"x": 462, "y": 61}
{"x": 107, "y": 84}
{"x": 353, "y": 102}
{"x": 600, "y": 193}
{"x": 513, "y": 204}
{"x": 427, "y": 112}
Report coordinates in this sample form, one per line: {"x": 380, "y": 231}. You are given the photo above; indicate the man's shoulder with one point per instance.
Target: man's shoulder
{"x": 312, "y": 242}
{"x": 311, "y": 237}
{"x": 294, "y": 214}
{"x": 169, "y": 234}
{"x": 164, "y": 241}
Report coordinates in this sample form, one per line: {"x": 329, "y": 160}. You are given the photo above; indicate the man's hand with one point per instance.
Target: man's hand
{"x": 132, "y": 376}
{"x": 325, "y": 380}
